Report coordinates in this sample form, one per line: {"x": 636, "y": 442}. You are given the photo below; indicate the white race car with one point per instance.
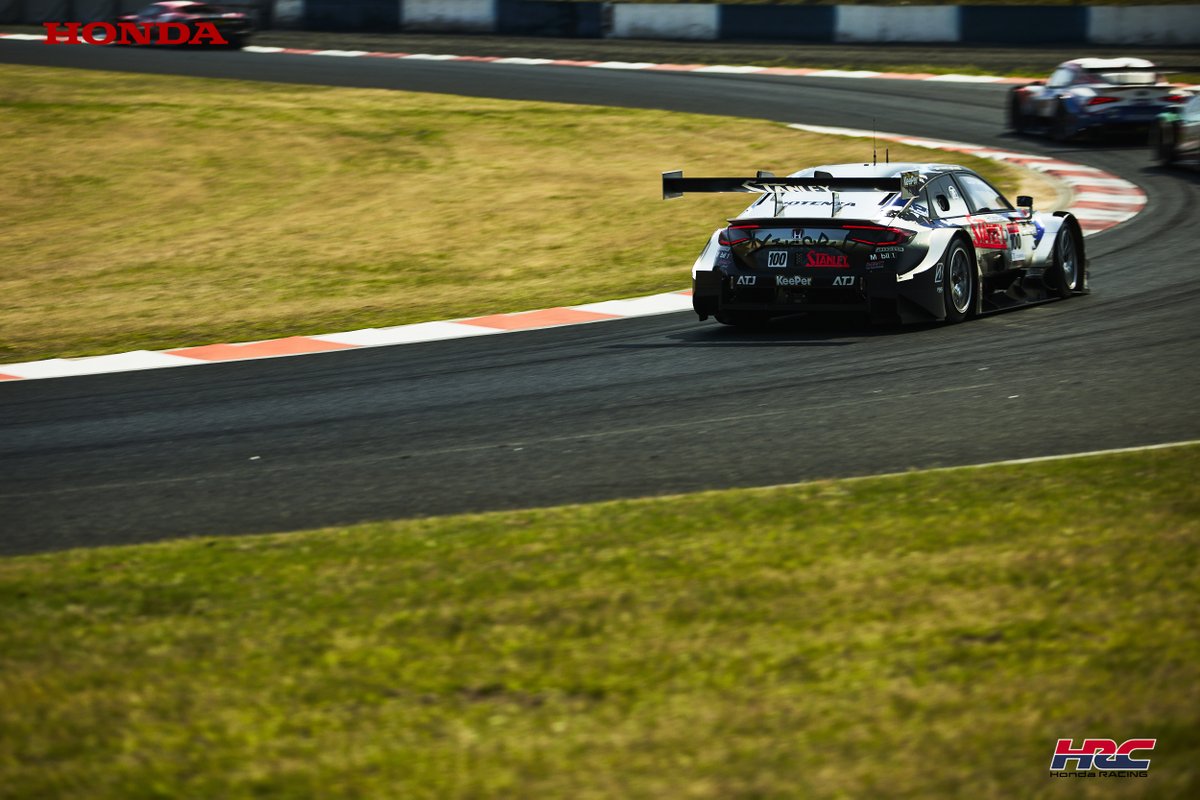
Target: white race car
{"x": 907, "y": 242}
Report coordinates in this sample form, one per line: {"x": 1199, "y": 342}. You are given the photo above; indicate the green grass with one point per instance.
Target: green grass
{"x": 924, "y": 635}
{"x": 149, "y": 211}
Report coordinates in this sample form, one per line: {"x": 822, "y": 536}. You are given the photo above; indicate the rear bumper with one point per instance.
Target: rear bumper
{"x": 880, "y": 293}
{"x": 1118, "y": 119}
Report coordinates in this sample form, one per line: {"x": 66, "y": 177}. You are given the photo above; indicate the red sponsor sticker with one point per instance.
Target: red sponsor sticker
{"x": 989, "y": 235}
{"x": 834, "y": 260}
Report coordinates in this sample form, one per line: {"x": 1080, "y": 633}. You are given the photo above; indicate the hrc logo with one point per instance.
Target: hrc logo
{"x": 1101, "y": 754}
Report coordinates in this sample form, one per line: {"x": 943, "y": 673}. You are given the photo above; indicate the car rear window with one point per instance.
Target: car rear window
{"x": 1129, "y": 78}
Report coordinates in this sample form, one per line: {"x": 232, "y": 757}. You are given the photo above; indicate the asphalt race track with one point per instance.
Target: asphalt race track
{"x": 617, "y": 409}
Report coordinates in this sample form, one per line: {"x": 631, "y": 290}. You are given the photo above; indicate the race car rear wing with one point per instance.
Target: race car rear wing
{"x": 1161, "y": 74}
{"x": 675, "y": 185}
{"x": 1172, "y": 68}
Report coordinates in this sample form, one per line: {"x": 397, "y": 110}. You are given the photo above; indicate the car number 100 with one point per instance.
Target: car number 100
{"x": 777, "y": 258}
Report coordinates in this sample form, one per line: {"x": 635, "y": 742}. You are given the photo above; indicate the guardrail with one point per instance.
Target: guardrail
{"x": 1158, "y": 25}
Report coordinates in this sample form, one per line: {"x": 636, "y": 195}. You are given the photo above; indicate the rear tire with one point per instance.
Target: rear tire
{"x": 958, "y": 282}
{"x": 1066, "y": 273}
{"x": 1061, "y": 126}
{"x": 1016, "y": 117}
{"x": 1165, "y": 139}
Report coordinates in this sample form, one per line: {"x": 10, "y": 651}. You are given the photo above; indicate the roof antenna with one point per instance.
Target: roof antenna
{"x": 874, "y": 151}
{"x": 887, "y": 155}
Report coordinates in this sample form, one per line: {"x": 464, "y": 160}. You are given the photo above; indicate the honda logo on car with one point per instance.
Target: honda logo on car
{"x": 106, "y": 33}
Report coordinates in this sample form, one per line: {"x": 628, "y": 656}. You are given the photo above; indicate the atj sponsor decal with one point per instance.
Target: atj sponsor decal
{"x": 1101, "y": 758}
{"x": 133, "y": 33}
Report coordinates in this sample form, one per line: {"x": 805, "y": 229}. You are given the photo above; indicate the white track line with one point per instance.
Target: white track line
{"x": 1010, "y": 462}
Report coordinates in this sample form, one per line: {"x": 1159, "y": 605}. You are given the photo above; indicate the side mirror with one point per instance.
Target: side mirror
{"x": 1025, "y": 201}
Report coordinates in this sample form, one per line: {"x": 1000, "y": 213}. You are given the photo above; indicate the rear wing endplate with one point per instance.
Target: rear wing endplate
{"x": 675, "y": 185}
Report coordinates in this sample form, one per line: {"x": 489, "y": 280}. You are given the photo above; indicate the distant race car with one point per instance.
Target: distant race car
{"x": 234, "y": 26}
{"x": 1175, "y": 136}
{"x": 1092, "y": 94}
{"x": 901, "y": 242}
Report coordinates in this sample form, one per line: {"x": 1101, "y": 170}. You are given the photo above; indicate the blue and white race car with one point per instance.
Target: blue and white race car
{"x": 1093, "y": 94}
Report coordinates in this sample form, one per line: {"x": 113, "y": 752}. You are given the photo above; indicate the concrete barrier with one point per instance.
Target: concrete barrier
{"x": 39, "y": 11}
{"x": 1023, "y": 24}
{"x": 548, "y": 18}
{"x": 787, "y": 23}
{"x": 666, "y": 21}
{"x": 352, "y": 15}
{"x": 449, "y": 15}
{"x": 93, "y": 10}
{"x": 288, "y": 14}
{"x": 896, "y": 24}
{"x": 1157, "y": 25}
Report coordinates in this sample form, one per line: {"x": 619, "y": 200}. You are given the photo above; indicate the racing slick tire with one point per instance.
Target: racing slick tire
{"x": 747, "y": 320}
{"x": 1060, "y": 128}
{"x": 1016, "y": 118}
{"x": 1065, "y": 275}
{"x": 1164, "y": 137}
{"x": 958, "y": 281}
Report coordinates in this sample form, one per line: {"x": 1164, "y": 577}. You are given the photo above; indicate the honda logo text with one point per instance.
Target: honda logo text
{"x": 106, "y": 33}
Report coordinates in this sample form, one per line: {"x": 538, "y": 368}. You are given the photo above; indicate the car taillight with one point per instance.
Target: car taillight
{"x": 1176, "y": 97}
{"x": 736, "y": 234}
{"x": 1100, "y": 100}
{"x": 877, "y": 234}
